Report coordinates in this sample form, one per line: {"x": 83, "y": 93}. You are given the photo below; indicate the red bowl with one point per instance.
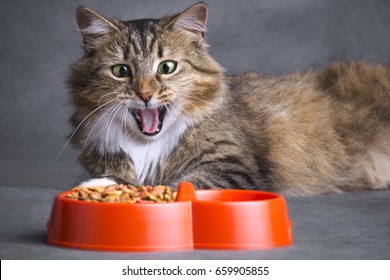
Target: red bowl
{"x": 240, "y": 219}
{"x": 203, "y": 219}
{"x": 120, "y": 226}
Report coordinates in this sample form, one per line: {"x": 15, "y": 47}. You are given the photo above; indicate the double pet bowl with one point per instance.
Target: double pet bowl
{"x": 199, "y": 219}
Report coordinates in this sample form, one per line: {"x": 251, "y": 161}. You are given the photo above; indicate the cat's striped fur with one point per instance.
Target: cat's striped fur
{"x": 306, "y": 133}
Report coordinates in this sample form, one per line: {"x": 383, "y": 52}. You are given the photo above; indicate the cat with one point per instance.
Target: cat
{"x": 151, "y": 106}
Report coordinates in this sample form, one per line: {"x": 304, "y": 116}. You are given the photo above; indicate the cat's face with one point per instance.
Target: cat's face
{"x": 145, "y": 76}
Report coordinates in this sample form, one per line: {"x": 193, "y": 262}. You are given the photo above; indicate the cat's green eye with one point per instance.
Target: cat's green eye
{"x": 121, "y": 71}
{"x": 167, "y": 67}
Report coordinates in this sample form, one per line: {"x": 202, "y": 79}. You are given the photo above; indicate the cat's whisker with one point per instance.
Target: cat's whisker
{"x": 202, "y": 112}
{"x": 200, "y": 125}
{"x": 104, "y": 147}
{"x": 169, "y": 108}
{"x": 124, "y": 118}
{"x": 90, "y": 132}
{"x": 110, "y": 120}
{"x": 80, "y": 124}
{"x": 214, "y": 121}
{"x": 177, "y": 112}
{"x": 114, "y": 92}
{"x": 210, "y": 105}
{"x": 195, "y": 142}
{"x": 126, "y": 126}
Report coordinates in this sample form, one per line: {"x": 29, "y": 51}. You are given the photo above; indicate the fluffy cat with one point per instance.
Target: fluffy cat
{"x": 152, "y": 107}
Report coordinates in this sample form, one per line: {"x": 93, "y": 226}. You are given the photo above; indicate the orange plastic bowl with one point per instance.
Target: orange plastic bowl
{"x": 240, "y": 219}
{"x": 203, "y": 219}
{"x": 120, "y": 226}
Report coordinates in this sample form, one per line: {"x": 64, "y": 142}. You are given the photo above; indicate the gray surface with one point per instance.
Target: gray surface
{"x": 39, "y": 41}
{"x": 345, "y": 226}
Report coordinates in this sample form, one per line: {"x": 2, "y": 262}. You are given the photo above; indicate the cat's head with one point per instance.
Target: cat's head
{"x": 145, "y": 75}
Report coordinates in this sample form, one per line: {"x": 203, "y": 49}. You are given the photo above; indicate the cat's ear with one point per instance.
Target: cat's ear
{"x": 193, "y": 20}
{"x": 92, "y": 25}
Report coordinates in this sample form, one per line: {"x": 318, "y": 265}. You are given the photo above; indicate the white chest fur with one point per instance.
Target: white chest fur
{"x": 148, "y": 155}
{"x": 109, "y": 136}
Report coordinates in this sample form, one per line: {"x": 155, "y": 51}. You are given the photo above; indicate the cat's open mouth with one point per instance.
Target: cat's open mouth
{"x": 149, "y": 121}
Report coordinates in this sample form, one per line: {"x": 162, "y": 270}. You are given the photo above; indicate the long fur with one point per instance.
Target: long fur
{"x": 308, "y": 133}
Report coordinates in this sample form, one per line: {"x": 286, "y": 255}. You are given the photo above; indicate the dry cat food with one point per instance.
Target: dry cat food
{"x": 124, "y": 193}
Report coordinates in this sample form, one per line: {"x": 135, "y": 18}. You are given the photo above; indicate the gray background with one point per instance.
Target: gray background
{"x": 39, "y": 41}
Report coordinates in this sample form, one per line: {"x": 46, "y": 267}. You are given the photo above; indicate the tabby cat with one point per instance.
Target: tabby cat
{"x": 152, "y": 107}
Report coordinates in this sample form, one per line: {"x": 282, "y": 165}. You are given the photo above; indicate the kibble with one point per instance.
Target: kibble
{"x": 124, "y": 193}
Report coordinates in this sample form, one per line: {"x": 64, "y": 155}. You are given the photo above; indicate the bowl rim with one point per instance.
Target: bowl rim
{"x": 272, "y": 197}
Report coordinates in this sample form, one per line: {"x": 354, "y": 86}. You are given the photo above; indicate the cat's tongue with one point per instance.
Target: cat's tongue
{"x": 149, "y": 119}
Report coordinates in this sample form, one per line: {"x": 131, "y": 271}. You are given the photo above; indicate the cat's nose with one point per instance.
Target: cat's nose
{"x": 144, "y": 90}
{"x": 145, "y": 96}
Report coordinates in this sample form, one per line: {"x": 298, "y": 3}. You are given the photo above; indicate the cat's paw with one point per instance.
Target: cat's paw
{"x": 97, "y": 182}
